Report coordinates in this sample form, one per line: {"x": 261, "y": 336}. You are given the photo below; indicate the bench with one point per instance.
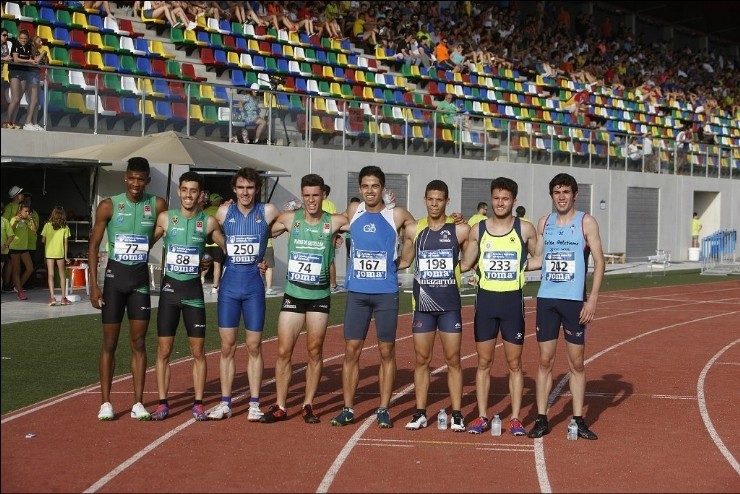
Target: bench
{"x": 614, "y": 258}
{"x": 661, "y": 259}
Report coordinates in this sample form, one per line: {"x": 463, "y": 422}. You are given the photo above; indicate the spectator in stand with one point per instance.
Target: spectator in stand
{"x": 250, "y": 14}
{"x": 24, "y": 79}
{"x": 291, "y": 12}
{"x": 578, "y": 103}
{"x": 330, "y": 16}
{"x": 105, "y": 10}
{"x": 683, "y": 140}
{"x": 251, "y": 115}
{"x": 442, "y": 53}
{"x": 178, "y": 12}
{"x": 449, "y": 110}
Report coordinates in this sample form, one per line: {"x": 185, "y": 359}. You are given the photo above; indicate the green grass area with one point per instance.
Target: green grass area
{"x": 45, "y": 358}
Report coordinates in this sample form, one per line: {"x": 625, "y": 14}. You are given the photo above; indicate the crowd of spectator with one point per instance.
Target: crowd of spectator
{"x": 457, "y": 36}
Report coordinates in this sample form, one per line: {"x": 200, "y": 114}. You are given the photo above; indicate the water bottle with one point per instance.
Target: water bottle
{"x": 496, "y": 426}
{"x": 572, "y": 430}
{"x": 442, "y": 420}
{"x": 387, "y": 199}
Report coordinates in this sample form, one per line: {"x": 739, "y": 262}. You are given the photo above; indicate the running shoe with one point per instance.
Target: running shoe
{"x": 199, "y": 413}
{"x": 516, "y": 428}
{"x": 255, "y": 414}
{"x": 138, "y": 412}
{"x": 220, "y": 411}
{"x": 584, "y": 431}
{"x": 478, "y": 425}
{"x": 346, "y": 417}
{"x": 384, "y": 418}
{"x": 161, "y": 412}
{"x": 418, "y": 421}
{"x": 22, "y": 295}
{"x": 65, "y": 301}
{"x": 540, "y": 428}
{"x": 270, "y": 291}
{"x": 308, "y": 416}
{"x": 106, "y": 411}
{"x": 458, "y": 423}
{"x": 274, "y": 414}
{"x": 52, "y": 302}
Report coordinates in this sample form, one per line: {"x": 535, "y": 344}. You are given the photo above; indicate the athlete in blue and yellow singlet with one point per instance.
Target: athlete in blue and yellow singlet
{"x": 498, "y": 247}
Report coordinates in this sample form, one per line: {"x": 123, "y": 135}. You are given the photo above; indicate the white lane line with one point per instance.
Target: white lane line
{"x": 705, "y": 413}
{"x": 538, "y": 444}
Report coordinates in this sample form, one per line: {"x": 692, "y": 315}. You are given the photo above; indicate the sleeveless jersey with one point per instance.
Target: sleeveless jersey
{"x": 310, "y": 254}
{"x": 502, "y": 259}
{"x": 372, "y": 267}
{"x": 437, "y": 273}
{"x": 131, "y": 227}
{"x": 184, "y": 244}
{"x": 246, "y": 236}
{"x": 564, "y": 262}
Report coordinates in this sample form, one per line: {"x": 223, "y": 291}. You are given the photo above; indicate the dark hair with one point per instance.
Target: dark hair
{"x": 520, "y": 211}
{"x": 24, "y": 31}
{"x": 438, "y": 185}
{"x": 482, "y": 205}
{"x": 327, "y": 189}
{"x": 565, "y": 180}
{"x": 251, "y": 175}
{"x": 192, "y": 177}
{"x": 355, "y": 199}
{"x": 504, "y": 183}
{"x": 138, "y": 164}
{"x": 312, "y": 180}
{"x": 372, "y": 171}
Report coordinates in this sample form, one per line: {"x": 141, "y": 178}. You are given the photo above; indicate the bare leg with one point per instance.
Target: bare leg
{"x": 137, "y": 331}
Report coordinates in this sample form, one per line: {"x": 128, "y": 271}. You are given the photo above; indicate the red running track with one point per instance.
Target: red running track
{"x": 662, "y": 375}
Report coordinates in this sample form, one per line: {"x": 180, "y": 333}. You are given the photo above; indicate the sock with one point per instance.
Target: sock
{"x": 422, "y": 411}
{"x": 350, "y": 410}
{"x": 254, "y": 399}
{"x": 578, "y": 418}
{"x": 227, "y": 400}
{"x": 456, "y": 413}
{"x": 164, "y": 402}
{"x": 197, "y": 402}
{"x": 542, "y": 417}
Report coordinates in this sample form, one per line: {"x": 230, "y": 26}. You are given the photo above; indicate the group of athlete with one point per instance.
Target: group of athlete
{"x": 438, "y": 247}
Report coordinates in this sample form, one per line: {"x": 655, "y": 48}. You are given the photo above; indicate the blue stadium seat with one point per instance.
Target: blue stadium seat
{"x": 237, "y": 78}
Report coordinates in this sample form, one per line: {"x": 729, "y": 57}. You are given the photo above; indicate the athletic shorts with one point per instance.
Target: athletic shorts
{"x": 499, "y": 311}
{"x": 449, "y": 321}
{"x": 186, "y": 297}
{"x": 126, "y": 289}
{"x": 303, "y": 305}
{"x": 241, "y": 293}
{"x": 361, "y": 307}
{"x": 216, "y": 253}
{"x": 4, "y": 257}
{"x": 552, "y": 313}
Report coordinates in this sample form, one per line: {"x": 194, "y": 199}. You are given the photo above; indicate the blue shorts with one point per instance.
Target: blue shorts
{"x": 361, "y": 307}
{"x": 241, "y": 293}
{"x": 446, "y": 321}
{"x": 554, "y": 312}
{"x": 31, "y": 77}
{"x": 502, "y": 311}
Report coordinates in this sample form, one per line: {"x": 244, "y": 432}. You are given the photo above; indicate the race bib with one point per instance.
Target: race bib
{"x": 435, "y": 264}
{"x": 500, "y": 265}
{"x": 560, "y": 266}
{"x": 183, "y": 259}
{"x": 305, "y": 268}
{"x": 243, "y": 249}
{"x": 131, "y": 248}
{"x": 368, "y": 264}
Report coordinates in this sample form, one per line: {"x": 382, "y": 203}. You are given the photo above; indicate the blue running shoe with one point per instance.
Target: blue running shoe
{"x": 161, "y": 412}
{"x": 384, "y": 418}
{"x": 199, "y": 413}
{"x": 478, "y": 425}
{"x": 346, "y": 417}
{"x": 516, "y": 428}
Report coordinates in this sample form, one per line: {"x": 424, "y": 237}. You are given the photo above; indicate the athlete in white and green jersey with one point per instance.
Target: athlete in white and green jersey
{"x": 307, "y": 292}
{"x": 185, "y": 232}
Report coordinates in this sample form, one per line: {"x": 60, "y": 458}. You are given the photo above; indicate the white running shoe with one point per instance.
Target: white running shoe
{"x": 220, "y": 411}
{"x": 255, "y": 414}
{"x": 29, "y": 126}
{"x": 214, "y": 290}
{"x": 106, "y": 411}
{"x": 457, "y": 424}
{"x": 270, "y": 291}
{"x": 418, "y": 421}
{"x": 138, "y": 412}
